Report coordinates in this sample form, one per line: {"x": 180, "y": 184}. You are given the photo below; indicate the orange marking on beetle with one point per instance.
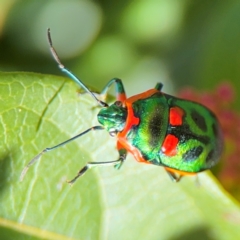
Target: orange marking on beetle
{"x": 143, "y": 95}
{"x": 121, "y": 97}
{"x": 131, "y": 119}
{"x": 176, "y": 116}
{"x": 169, "y": 146}
{"x": 182, "y": 173}
{"x": 134, "y": 151}
{"x": 121, "y": 136}
{"x": 130, "y": 122}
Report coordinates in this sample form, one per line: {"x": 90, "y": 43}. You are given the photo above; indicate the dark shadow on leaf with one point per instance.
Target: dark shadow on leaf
{"x": 9, "y": 234}
{"x": 199, "y": 233}
{"x": 5, "y": 173}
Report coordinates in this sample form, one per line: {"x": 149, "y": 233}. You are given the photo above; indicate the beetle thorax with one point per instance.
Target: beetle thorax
{"x": 113, "y": 118}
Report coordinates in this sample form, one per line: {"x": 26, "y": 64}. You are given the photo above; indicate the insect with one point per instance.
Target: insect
{"x": 182, "y": 136}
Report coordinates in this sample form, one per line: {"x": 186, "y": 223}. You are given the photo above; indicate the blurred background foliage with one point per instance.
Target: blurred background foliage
{"x": 179, "y": 43}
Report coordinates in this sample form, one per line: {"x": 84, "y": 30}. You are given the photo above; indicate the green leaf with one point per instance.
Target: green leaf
{"x": 137, "y": 202}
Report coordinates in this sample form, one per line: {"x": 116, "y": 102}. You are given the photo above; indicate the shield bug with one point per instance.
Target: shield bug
{"x": 182, "y": 136}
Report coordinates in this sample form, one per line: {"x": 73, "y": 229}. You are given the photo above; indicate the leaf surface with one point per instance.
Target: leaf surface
{"x": 137, "y": 202}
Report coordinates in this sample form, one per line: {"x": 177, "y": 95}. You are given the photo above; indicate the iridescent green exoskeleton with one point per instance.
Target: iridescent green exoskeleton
{"x": 182, "y": 136}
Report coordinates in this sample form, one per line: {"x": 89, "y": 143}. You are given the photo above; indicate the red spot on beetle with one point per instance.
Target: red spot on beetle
{"x": 176, "y": 116}
{"x": 169, "y": 146}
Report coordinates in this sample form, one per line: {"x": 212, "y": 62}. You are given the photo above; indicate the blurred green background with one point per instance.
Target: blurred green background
{"x": 176, "y": 42}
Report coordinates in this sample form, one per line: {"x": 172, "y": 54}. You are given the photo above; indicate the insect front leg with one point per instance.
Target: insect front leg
{"x": 116, "y": 163}
{"x": 119, "y": 88}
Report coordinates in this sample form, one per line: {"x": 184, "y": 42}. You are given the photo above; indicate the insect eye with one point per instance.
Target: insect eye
{"x": 118, "y": 103}
{"x": 113, "y": 132}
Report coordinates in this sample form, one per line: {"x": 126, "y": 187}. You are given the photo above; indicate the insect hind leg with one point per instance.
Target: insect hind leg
{"x": 173, "y": 176}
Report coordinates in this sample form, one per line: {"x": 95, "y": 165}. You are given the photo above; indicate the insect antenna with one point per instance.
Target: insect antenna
{"x": 69, "y": 73}
{"x": 24, "y": 171}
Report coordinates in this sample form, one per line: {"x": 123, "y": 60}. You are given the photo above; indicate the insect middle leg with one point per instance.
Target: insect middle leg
{"x": 48, "y": 149}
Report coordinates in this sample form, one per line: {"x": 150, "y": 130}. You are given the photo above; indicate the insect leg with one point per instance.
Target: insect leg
{"x": 120, "y": 92}
{"x": 173, "y": 176}
{"x": 54, "y": 147}
{"x": 159, "y": 86}
{"x": 118, "y": 163}
{"x": 122, "y": 157}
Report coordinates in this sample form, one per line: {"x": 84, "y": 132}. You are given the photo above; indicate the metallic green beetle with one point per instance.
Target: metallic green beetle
{"x": 182, "y": 136}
